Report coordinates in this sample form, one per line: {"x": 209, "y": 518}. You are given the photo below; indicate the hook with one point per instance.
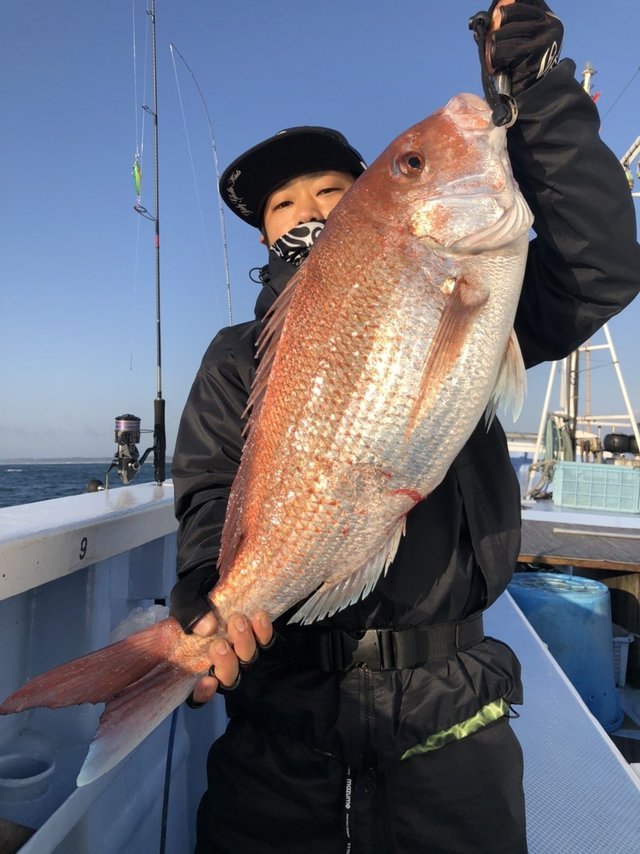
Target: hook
{"x": 497, "y": 88}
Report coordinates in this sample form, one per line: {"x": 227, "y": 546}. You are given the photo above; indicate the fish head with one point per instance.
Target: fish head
{"x": 450, "y": 182}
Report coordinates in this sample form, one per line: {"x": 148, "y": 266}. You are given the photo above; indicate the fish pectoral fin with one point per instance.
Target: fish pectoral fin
{"x": 340, "y": 591}
{"x": 129, "y": 718}
{"x": 511, "y": 383}
{"x": 465, "y": 298}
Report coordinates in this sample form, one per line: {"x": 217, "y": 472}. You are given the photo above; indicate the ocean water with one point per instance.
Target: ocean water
{"x": 37, "y": 480}
{"x": 26, "y": 482}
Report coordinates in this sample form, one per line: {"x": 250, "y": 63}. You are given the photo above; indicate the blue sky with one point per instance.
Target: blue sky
{"x": 77, "y": 287}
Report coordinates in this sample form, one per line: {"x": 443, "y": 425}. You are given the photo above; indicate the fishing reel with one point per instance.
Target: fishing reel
{"x": 127, "y": 459}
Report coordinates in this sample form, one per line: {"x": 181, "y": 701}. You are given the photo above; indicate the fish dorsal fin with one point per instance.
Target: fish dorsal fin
{"x": 266, "y": 347}
{"x": 265, "y": 350}
{"x": 511, "y": 383}
{"x": 339, "y": 591}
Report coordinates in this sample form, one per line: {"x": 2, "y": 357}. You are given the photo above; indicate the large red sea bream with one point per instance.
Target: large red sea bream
{"x": 380, "y": 357}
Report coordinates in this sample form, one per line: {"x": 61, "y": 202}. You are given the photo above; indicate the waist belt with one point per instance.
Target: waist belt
{"x": 386, "y": 649}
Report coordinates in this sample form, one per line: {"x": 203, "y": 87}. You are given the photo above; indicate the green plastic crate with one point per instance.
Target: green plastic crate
{"x": 597, "y": 486}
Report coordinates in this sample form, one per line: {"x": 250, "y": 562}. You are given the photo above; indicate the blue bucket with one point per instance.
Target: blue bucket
{"x": 573, "y": 617}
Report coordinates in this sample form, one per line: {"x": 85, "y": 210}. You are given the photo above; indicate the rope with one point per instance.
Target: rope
{"x": 539, "y": 489}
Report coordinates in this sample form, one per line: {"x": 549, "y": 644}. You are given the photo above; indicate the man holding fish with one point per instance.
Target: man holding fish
{"x": 384, "y": 725}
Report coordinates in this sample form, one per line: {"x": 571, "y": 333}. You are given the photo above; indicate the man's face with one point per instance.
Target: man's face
{"x": 308, "y": 197}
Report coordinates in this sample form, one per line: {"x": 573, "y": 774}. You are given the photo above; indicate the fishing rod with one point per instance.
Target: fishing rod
{"x": 159, "y": 432}
{"x": 127, "y": 459}
{"x": 214, "y": 152}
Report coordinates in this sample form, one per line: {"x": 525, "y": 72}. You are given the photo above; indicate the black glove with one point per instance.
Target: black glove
{"x": 189, "y": 596}
{"x": 527, "y": 43}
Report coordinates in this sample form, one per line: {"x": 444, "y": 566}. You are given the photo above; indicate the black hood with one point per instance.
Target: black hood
{"x": 274, "y": 276}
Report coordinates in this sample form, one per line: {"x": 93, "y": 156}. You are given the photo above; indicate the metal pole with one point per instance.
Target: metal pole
{"x": 587, "y": 73}
{"x": 623, "y": 388}
{"x": 573, "y": 368}
{"x": 572, "y": 362}
{"x": 543, "y": 418}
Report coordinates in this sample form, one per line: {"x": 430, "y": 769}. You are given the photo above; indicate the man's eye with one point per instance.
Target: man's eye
{"x": 326, "y": 190}
{"x": 283, "y": 204}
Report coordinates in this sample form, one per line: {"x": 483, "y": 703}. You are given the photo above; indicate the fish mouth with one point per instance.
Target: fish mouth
{"x": 470, "y": 112}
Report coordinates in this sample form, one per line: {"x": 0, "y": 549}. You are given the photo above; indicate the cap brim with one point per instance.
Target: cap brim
{"x": 246, "y": 184}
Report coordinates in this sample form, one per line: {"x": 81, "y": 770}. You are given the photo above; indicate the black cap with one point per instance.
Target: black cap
{"x": 248, "y": 182}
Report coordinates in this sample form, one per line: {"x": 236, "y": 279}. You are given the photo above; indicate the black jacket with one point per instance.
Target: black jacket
{"x": 462, "y": 542}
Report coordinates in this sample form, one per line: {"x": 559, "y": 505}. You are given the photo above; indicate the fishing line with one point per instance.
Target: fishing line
{"x": 138, "y": 158}
{"x": 633, "y": 77}
{"x": 167, "y": 784}
{"x": 139, "y": 135}
{"x": 136, "y": 170}
{"x": 216, "y": 167}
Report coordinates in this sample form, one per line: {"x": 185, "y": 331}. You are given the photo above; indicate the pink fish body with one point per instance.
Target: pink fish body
{"x": 378, "y": 361}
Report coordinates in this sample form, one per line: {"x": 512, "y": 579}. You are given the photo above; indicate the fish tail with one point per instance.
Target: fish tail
{"x": 131, "y": 716}
{"x": 98, "y": 676}
{"x": 135, "y": 679}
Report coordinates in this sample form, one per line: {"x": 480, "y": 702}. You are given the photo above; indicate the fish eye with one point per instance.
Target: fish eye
{"x": 411, "y": 163}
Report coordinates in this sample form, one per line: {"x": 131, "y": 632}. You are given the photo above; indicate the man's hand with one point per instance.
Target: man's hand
{"x": 242, "y": 647}
{"x": 524, "y": 39}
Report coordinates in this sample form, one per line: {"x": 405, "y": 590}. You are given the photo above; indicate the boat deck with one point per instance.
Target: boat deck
{"x": 581, "y": 795}
{"x": 580, "y": 538}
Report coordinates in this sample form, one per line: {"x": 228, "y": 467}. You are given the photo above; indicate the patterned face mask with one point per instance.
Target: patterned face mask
{"x": 293, "y": 247}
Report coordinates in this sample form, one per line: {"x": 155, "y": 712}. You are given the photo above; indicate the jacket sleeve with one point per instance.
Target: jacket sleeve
{"x": 583, "y": 266}
{"x": 206, "y": 458}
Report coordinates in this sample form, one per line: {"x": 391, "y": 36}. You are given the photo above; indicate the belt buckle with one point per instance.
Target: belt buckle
{"x": 375, "y": 649}
{"x": 343, "y": 650}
